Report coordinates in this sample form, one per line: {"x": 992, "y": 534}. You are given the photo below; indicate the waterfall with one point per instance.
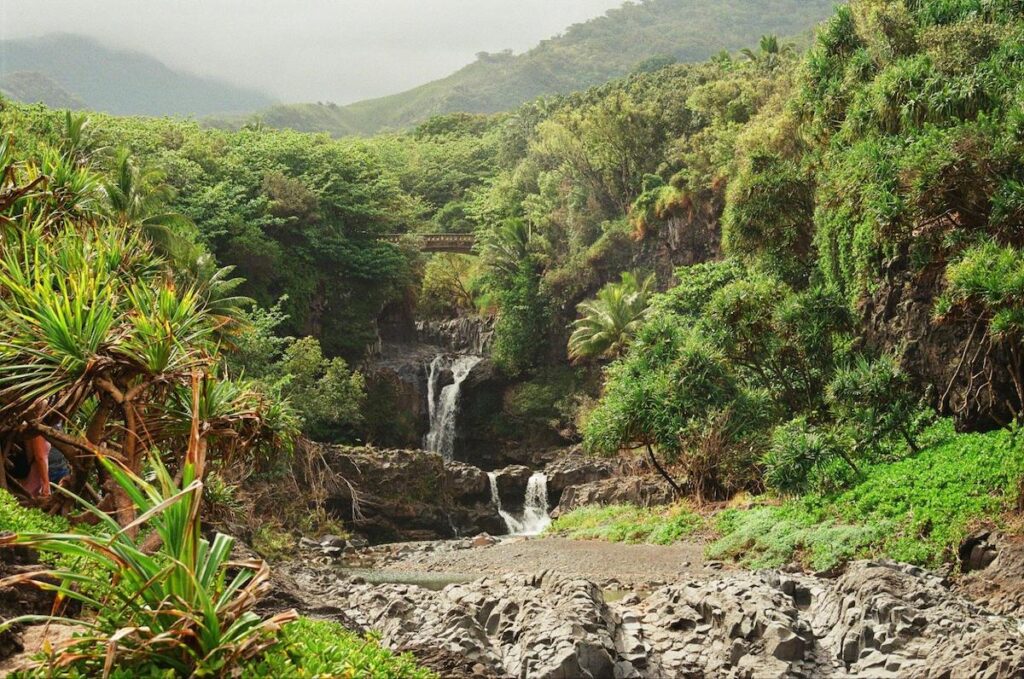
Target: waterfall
{"x": 444, "y": 407}
{"x": 535, "y": 509}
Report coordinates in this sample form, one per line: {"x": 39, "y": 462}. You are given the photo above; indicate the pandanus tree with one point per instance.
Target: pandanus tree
{"x": 99, "y": 339}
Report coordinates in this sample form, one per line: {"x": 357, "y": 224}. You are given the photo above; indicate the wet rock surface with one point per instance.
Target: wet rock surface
{"x": 466, "y": 335}
{"x": 878, "y": 620}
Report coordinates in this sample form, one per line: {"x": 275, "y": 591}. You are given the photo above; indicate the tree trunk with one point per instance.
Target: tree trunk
{"x": 83, "y": 462}
{"x": 661, "y": 470}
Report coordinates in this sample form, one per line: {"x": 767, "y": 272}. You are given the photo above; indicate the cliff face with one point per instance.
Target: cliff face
{"x": 465, "y": 335}
{"x": 955, "y": 363}
{"x": 401, "y": 495}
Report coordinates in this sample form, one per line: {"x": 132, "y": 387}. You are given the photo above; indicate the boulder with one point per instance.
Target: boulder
{"x": 575, "y": 469}
{"x": 466, "y": 482}
{"x": 483, "y": 540}
{"x": 403, "y": 495}
{"x": 643, "y": 491}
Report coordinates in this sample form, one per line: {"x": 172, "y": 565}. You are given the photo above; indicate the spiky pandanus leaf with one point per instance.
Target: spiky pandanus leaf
{"x": 187, "y": 606}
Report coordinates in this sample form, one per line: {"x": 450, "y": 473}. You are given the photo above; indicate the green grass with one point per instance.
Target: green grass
{"x": 626, "y": 523}
{"x": 917, "y": 510}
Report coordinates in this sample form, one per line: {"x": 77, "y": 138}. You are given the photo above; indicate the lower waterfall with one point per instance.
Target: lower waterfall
{"x": 535, "y": 508}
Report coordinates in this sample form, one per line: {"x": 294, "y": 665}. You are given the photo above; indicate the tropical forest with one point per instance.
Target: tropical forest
{"x": 687, "y": 342}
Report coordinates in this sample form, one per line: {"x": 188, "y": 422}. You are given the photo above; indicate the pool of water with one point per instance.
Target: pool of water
{"x": 613, "y": 595}
{"x": 431, "y": 581}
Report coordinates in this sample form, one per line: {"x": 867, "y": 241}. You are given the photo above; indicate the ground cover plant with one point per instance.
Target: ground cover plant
{"x": 627, "y": 523}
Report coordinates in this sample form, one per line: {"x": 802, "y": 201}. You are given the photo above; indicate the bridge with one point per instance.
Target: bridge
{"x": 437, "y": 242}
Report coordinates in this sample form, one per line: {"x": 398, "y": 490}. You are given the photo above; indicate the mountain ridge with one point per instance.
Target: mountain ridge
{"x": 585, "y": 54}
{"x": 122, "y": 81}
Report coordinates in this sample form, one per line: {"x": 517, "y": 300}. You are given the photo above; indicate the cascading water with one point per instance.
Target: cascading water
{"x": 535, "y": 509}
{"x": 444, "y": 407}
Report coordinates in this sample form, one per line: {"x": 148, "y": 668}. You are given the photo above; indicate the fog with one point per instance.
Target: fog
{"x": 307, "y": 50}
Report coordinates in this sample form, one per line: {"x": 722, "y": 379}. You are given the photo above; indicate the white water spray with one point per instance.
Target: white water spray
{"x": 535, "y": 508}
{"x": 444, "y": 407}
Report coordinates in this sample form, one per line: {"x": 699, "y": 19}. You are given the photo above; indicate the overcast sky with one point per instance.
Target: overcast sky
{"x": 308, "y": 50}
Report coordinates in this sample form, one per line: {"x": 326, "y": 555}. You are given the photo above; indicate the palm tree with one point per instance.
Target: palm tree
{"x": 504, "y": 247}
{"x": 77, "y": 140}
{"x": 609, "y": 322}
{"x": 137, "y": 196}
{"x": 771, "y": 52}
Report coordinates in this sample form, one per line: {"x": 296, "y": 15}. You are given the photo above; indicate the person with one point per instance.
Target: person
{"x": 39, "y": 465}
{"x": 37, "y": 450}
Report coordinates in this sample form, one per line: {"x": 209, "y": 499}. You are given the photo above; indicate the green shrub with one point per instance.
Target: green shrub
{"x": 308, "y": 649}
{"x": 800, "y": 457}
{"x": 522, "y": 320}
{"x": 184, "y": 608}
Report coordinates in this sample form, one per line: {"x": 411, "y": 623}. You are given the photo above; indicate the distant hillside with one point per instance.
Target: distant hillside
{"x": 114, "y": 81}
{"x": 586, "y": 54}
{"x": 33, "y": 87}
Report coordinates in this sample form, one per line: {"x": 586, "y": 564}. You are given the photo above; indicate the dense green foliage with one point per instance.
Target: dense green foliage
{"x": 64, "y": 70}
{"x": 640, "y": 36}
{"x": 298, "y": 216}
{"x": 308, "y": 649}
{"x": 917, "y": 510}
{"x": 183, "y": 606}
{"x": 892, "y": 148}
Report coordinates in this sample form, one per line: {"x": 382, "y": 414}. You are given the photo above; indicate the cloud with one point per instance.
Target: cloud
{"x": 307, "y": 50}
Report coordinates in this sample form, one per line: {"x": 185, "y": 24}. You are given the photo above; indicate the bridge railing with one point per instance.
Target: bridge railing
{"x": 437, "y": 242}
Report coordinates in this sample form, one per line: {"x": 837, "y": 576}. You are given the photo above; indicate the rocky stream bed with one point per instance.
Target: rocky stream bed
{"x": 567, "y": 617}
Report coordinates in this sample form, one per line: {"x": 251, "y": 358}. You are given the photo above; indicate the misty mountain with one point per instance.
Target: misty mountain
{"x": 35, "y": 87}
{"x": 590, "y": 53}
{"x": 68, "y": 68}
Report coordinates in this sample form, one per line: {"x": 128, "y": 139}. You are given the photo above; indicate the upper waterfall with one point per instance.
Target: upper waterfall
{"x": 444, "y": 406}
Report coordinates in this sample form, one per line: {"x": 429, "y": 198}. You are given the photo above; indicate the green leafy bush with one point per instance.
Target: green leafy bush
{"x": 316, "y": 649}
{"x": 802, "y": 456}
{"x": 308, "y": 649}
{"x": 522, "y": 321}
